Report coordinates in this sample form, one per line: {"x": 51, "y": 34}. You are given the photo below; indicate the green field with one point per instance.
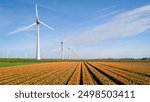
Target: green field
{"x": 6, "y": 62}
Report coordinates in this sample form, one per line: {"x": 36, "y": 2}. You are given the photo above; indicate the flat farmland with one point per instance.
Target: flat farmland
{"x": 77, "y": 73}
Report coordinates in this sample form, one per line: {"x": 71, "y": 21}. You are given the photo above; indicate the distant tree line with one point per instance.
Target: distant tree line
{"x": 145, "y": 58}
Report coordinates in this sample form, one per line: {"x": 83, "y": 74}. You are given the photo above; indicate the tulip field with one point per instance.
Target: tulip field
{"x": 77, "y": 73}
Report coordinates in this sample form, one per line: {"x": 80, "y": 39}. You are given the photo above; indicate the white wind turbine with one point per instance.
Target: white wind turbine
{"x": 7, "y": 52}
{"x": 62, "y": 49}
{"x": 36, "y": 23}
{"x": 68, "y": 53}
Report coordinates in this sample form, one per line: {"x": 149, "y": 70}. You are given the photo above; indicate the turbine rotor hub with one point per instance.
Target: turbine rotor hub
{"x": 37, "y": 21}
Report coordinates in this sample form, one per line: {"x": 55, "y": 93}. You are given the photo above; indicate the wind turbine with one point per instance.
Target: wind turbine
{"x": 3, "y": 53}
{"x": 7, "y": 53}
{"x": 62, "y": 48}
{"x": 37, "y": 23}
{"x": 68, "y": 53}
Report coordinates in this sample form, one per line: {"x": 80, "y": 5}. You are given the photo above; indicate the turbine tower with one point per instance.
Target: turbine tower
{"x": 62, "y": 47}
{"x": 68, "y": 53}
{"x": 36, "y": 23}
{"x": 7, "y": 53}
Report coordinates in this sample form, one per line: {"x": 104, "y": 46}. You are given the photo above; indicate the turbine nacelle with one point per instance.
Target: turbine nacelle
{"x": 37, "y": 21}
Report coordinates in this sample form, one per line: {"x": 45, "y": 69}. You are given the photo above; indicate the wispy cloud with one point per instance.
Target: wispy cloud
{"x": 105, "y": 15}
{"x": 101, "y": 14}
{"x": 108, "y": 8}
{"x": 122, "y": 25}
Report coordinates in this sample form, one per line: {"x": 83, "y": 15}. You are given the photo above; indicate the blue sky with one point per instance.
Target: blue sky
{"x": 91, "y": 28}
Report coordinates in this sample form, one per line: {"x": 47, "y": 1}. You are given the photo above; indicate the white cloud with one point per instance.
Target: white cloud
{"x": 122, "y": 25}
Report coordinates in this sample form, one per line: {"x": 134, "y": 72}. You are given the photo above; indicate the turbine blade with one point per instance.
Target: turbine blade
{"x": 33, "y": 24}
{"x": 74, "y": 53}
{"x": 36, "y": 10}
{"x": 47, "y": 26}
{"x": 22, "y": 29}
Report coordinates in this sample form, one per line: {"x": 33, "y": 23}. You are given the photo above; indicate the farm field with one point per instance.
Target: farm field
{"x": 77, "y": 73}
{"x": 6, "y": 62}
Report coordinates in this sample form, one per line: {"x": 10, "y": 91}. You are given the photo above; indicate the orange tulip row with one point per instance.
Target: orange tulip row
{"x": 135, "y": 78}
{"x": 125, "y": 77}
{"x": 65, "y": 76}
{"x": 87, "y": 79}
{"x": 75, "y": 79}
{"x": 30, "y": 74}
{"x": 137, "y": 67}
{"x": 100, "y": 77}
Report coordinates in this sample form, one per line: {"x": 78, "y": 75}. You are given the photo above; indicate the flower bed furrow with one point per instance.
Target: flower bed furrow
{"x": 38, "y": 79}
{"x": 27, "y": 75}
{"x": 135, "y": 69}
{"x": 100, "y": 77}
{"x": 62, "y": 79}
{"x": 75, "y": 79}
{"x": 87, "y": 79}
{"x": 51, "y": 77}
{"x": 21, "y": 71}
{"x": 135, "y": 78}
{"x": 113, "y": 76}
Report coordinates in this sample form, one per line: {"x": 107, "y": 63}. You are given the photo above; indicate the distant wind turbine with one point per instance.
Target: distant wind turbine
{"x": 7, "y": 53}
{"x": 62, "y": 48}
{"x": 3, "y": 53}
{"x": 68, "y": 53}
{"x": 36, "y": 23}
